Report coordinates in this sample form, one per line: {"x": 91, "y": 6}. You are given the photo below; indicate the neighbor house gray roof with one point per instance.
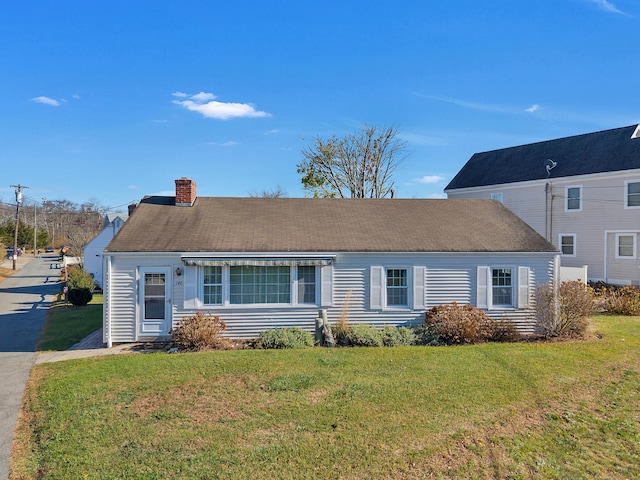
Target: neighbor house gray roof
{"x": 215, "y": 224}
{"x": 605, "y": 151}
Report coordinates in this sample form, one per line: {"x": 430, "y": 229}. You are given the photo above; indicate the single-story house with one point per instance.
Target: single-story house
{"x": 263, "y": 263}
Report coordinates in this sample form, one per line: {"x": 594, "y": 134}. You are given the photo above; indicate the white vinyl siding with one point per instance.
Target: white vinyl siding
{"x": 344, "y": 288}
{"x": 610, "y": 205}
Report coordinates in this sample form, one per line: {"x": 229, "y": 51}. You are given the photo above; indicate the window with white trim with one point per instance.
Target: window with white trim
{"x": 502, "y": 286}
{"x": 497, "y": 196}
{"x": 397, "y": 287}
{"x": 250, "y": 284}
{"x": 222, "y": 285}
{"x": 568, "y": 245}
{"x": 574, "y": 198}
{"x": 632, "y": 194}
{"x": 212, "y": 285}
{"x": 625, "y": 245}
{"x": 307, "y": 284}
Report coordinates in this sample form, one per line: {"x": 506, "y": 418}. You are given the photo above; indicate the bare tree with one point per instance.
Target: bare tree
{"x": 277, "y": 192}
{"x": 359, "y": 165}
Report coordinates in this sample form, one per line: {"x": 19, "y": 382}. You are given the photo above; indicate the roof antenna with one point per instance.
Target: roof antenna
{"x": 550, "y": 166}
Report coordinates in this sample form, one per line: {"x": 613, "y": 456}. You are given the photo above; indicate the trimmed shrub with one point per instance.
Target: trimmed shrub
{"x": 79, "y": 278}
{"x": 200, "y": 332}
{"x": 396, "y": 337}
{"x": 459, "y": 324}
{"x": 79, "y": 296}
{"x": 425, "y": 337}
{"x": 364, "y": 335}
{"x": 292, "y": 337}
{"x": 564, "y": 312}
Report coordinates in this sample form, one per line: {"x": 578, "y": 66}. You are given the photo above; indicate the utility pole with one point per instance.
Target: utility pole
{"x": 15, "y": 235}
{"x": 35, "y": 226}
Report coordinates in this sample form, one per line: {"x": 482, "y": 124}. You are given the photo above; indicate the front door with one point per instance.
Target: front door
{"x": 155, "y": 300}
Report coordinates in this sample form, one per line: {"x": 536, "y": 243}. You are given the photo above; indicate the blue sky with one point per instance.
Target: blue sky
{"x": 111, "y": 101}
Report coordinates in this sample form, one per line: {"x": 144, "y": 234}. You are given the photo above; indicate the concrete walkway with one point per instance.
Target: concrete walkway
{"x": 24, "y": 300}
{"x": 92, "y": 346}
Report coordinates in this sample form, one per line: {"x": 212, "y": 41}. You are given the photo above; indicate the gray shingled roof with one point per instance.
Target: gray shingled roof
{"x": 606, "y": 151}
{"x": 216, "y": 224}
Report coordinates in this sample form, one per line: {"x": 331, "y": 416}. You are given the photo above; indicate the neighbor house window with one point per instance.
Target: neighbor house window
{"x": 633, "y": 194}
{"x": 574, "y": 195}
{"x": 568, "y": 245}
{"x": 212, "y": 286}
{"x": 625, "y": 246}
{"x": 306, "y": 284}
{"x": 502, "y": 286}
{"x": 259, "y": 284}
{"x": 397, "y": 287}
{"x": 497, "y": 196}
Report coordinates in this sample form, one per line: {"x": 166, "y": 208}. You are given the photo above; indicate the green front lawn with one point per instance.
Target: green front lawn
{"x": 68, "y": 324}
{"x": 525, "y": 410}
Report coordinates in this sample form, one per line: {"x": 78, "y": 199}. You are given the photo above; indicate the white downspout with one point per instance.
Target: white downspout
{"x": 108, "y": 303}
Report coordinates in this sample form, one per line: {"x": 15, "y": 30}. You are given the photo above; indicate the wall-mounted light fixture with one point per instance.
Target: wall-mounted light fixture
{"x": 178, "y": 272}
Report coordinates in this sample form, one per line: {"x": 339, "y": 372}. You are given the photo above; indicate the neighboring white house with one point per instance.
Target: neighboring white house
{"x": 262, "y": 263}
{"x": 93, "y": 250}
{"x": 582, "y": 193}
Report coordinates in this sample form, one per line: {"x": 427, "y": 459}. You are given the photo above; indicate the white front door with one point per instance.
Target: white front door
{"x": 155, "y": 302}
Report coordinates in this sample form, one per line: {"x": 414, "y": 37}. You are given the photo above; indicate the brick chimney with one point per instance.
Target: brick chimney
{"x": 131, "y": 208}
{"x": 185, "y": 192}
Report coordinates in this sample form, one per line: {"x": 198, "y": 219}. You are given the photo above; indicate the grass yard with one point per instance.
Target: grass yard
{"x": 67, "y": 325}
{"x": 6, "y": 272}
{"x": 527, "y": 410}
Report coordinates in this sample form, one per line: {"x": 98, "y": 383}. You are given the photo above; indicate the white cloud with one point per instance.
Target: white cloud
{"x": 607, "y": 6}
{"x": 437, "y": 195}
{"x": 533, "y": 108}
{"x": 46, "y": 100}
{"x": 230, "y": 143}
{"x": 76, "y": 97}
{"x": 203, "y": 97}
{"x": 429, "y": 179}
{"x": 205, "y": 104}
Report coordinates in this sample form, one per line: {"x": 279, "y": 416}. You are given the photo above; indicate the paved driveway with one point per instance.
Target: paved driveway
{"x": 24, "y": 299}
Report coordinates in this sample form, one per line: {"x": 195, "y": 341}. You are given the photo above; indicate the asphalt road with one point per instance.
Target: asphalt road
{"x": 24, "y": 300}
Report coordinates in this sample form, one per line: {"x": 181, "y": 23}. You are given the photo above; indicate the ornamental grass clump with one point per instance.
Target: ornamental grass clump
{"x": 459, "y": 324}
{"x": 292, "y": 337}
{"x": 200, "y": 332}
